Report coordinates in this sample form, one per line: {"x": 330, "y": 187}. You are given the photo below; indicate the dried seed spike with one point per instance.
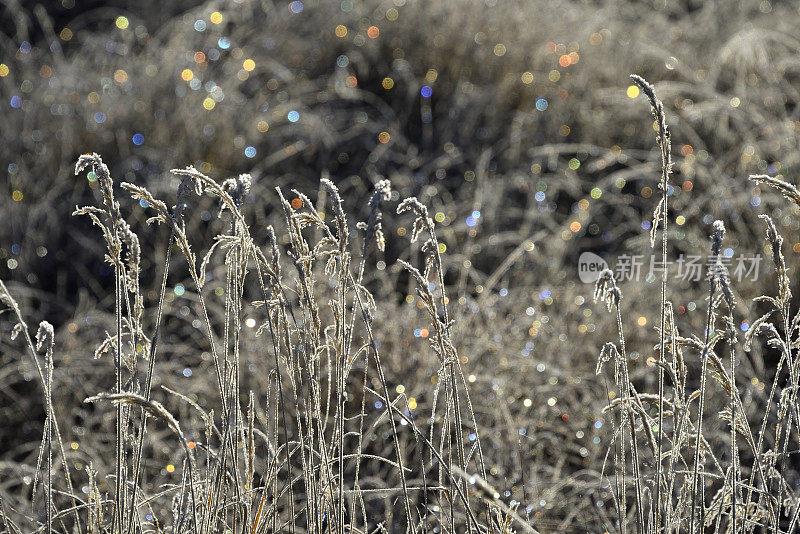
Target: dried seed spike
{"x": 787, "y": 190}
{"x": 718, "y": 271}
{"x": 717, "y": 234}
{"x": 84, "y": 160}
{"x": 658, "y": 214}
{"x": 196, "y": 176}
{"x": 776, "y": 242}
{"x": 663, "y": 135}
{"x": 189, "y": 176}
{"x": 413, "y": 204}
{"x": 607, "y": 353}
{"x": 383, "y": 191}
{"x": 16, "y": 331}
{"x": 130, "y": 238}
{"x": 649, "y": 91}
{"x": 606, "y": 289}
{"x": 45, "y": 336}
{"x": 237, "y": 188}
{"x": 141, "y": 193}
{"x": 333, "y": 191}
{"x": 374, "y": 225}
{"x": 341, "y": 219}
{"x": 183, "y": 196}
{"x": 775, "y": 239}
{"x": 5, "y": 297}
{"x": 243, "y": 184}
{"x": 276, "y": 252}
{"x": 103, "y": 178}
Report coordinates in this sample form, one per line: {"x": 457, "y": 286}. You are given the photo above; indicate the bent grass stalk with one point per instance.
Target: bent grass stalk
{"x": 661, "y": 216}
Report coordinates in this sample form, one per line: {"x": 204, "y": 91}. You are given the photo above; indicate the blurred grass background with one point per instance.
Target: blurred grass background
{"x": 515, "y": 121}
